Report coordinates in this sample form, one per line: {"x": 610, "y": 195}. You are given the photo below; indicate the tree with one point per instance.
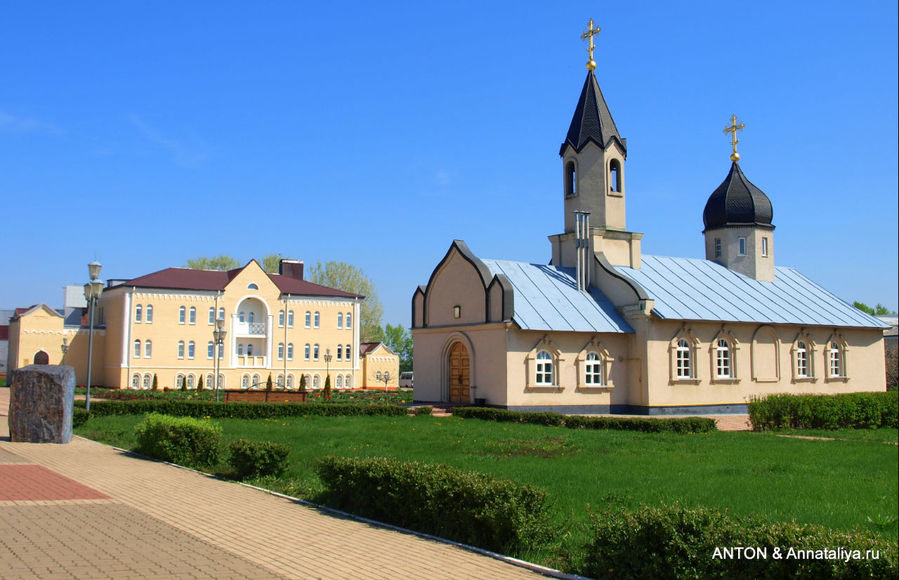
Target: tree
{"x": 268, "y": 383}
{"x": 878, "y": 310}
{"x": 399, "y": 340}
{"x": 200, "y": 384}
{"x": 222, "y": 262}
{"x": 302, "y": 388}
{"x": 326, "y": 393}
{"x": 349, "y": 278}
{"x": 155, "y": 382}
{"x": 272, "y": 263}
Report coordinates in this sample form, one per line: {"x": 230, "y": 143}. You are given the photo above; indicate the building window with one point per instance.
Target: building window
{"x": 308, "y": 319}
{"x": 221, "y": 313}
{"x": 290, "y": 319}
{"x": 835, "y": 360}
{"x": 593, "y": 370}
{"x": 193, "y": 315}
{"x": 149, "y": 313}
{"x": 136, "y": 349}
{"x": 348, "y": 381}
{"x": 251, "y": 317}
{"x": 280, "y": 381}
{"x": 378, "y": 376}
{"x": 148, "y": 349}
{"x": 181, "y": 314}
{"x": 570, "y": 179}
{"x": 317, "y": 317}
{"x": 212, "y": 315}
{"x": 281, "y": 318}
{"x": 346, "y": 353}
{"x": 289, "y": 381}
{"x": 315, "y": 382}
{"x": 741, "y": 249}
{"x": 256, "y": 381}
{"x": 190, "y": 381}
{"x": 544, "y": 368}
{"x": 306, "y": 351}
{"x": 457, "y": 311}
{"x": 179, "y": 381}
{"x": 138, "y": 313}
{"x": 765, "y": 247}
{"x": 210, "y": 349}
{"x": 180, "y": 349}
{"x": 239, "y": 349}
{"x": 191, "y": 348}
{"x": 684, "y": 360}
{"x": 245, "y": 382}
{"x": 339, "y": 352}
{"x": 339, "y": 382}
{"x": 241, "y": 316}
{"x": 340, "y": 320}
{"x": 349, "y": 320}
{"x": 290, "y": 351}
{"x": 280, "y": 351}
{"x": 148, "y": 381}
{"x": 723, "y": 362}
{"x": 615, "y": 176}
{"x": 252, "y": 286}
{"x": 249, "y": 350}
{"x": 135, "y": 382}
{"x": 802, "y": 370}
{"x": 222, "y": 350}
{"x": 717, "y": 247}
{"x": 315, "y": 352}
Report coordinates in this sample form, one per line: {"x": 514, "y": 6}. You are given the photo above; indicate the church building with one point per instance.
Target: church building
{"x": 603, "y": 328}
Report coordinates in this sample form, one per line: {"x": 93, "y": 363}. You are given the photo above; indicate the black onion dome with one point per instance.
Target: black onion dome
{"x": 592, "y": 120}
{"x": 737, "y": 202}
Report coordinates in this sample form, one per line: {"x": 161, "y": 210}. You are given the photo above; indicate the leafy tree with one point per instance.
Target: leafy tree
{"x": 399, "y": 340}
{"x": 272, "y": 263}
{"x": 200, "y": 384}
{"x": 349, "y": 278}
{"x": 878, "y": 310}
{"x": 268, "y": 383}
{"x": 222, "y": 262}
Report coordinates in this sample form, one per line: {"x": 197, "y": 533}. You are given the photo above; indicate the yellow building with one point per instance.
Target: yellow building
{"x": 380, "y": 366}
{"x": 162, "y": 325}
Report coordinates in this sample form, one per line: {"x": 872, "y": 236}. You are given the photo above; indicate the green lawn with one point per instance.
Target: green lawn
{"x": 846, "y": 483}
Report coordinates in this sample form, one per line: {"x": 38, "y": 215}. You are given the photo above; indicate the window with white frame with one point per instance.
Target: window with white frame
{"x": 316, "y": 318}
{"x": 741, "y": 246}
{"x": 222, "y": 350}
{"x": 289, "y": 381}
{"x": 249, "y": 350}
{"x": 221, "y": 313}
{"x": 308, "y": 319}
{"x": 212, "y": 315}
{"x": 280, "y": 381}
{"x": 593, "y": 370}
{"x": 148, "y": 349}
{"x": 281, "y": 319}
{"x": 378, "y": 376}
{"x": 339, "y": 352}
{"x": 191, "y": 349}
{"x": 209, "y": 381}
{"x": 339, "y": 382}
{"x": 149, "y": 313}
{"x": 290, "y": 319}
{"x": 684, "y": 359}
{"x": 280, "y": 351}
{"x": 136, "y": 349}
{"x": 256, "y": 381}
{"x": 723, "y": 367}
{"x": 190, "y": 381}
{"x": 346, "y": 352}
{"x": 340, "y": 320}
{"x": 802, "y": 368}
{"x": 138, "y": 313}
{"x": 239, "y": 349}
{"x": 765, "y": 246}
{"x": 193, "y": 315}
{"x": 315, "y": 352}
{"x": 835, "y": 361}
{"x": 349, "y": 320}
{"x": 182, "y": 313}
{"x": 289, "y": 351}
{"x": 348, "y": 382}
{"x": 135, "y": 381}
{"x": 179, "y": 381}
{"x": 544, "y": 368}
{"x": 148, "y": 381}
{"x": 315, "y": 382}
{"x": 306, "y": 348}
{"x": 210, "y": 349}
{"x": 180, "y": 349}
{"x": 241, "y": 316}
{"x": 245, "y": 382}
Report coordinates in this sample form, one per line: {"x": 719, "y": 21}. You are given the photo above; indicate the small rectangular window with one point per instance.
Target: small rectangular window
{"x": 765, "y": 247}
{"x": 741, "y": 242}
{"x": 717, "y": 247}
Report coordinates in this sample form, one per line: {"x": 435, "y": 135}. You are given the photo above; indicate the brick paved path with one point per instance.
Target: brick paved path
{"x": 86, "y": 510}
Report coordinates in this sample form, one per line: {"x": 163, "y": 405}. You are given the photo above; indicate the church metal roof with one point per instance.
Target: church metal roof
{"x": 547, "y": 298}
{"x": 695, "y": 289}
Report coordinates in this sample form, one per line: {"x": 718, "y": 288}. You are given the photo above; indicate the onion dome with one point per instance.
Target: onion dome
{"x": 737, "y": 202}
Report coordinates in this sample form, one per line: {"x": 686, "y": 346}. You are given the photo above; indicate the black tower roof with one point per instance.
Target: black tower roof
{"x": 737, "y": 202}
{"x": 592, "y": 120}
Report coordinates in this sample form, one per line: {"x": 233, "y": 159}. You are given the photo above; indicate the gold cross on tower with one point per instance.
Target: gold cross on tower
{"x": 732, "y": 129}
{"x": 590, "y": 33}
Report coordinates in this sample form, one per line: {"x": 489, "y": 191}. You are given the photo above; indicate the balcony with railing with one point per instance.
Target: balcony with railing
{"x": 249, "y": 329}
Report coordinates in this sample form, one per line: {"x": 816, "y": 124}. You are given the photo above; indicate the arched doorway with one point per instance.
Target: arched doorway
{"x": 459, "y": 374}
{"x": 41, "y": 358}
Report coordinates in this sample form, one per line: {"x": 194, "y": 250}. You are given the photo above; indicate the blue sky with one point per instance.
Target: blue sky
{"x": 146, "y": 133}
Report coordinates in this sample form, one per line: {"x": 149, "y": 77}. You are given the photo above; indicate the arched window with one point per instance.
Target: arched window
{"x": 346, "y": 353}
{"x": 317, "y": 318}
{"x": 339, "y": 382}
{"x": 256, "y": 381}
{"x": 281, "y": 318}
{"x": 349, "y": 320}
{"x": 339, "y": 352}
{"x": 378, "y": 375}
{"x": 348, "y": 382}
{"x": 802, "y": 369}
{"x": 290, "y": 319}
{"x": 180, "y": 349}
{"x": 136, "y": 349}
{"x": 135, "y": 381}
{"x": 280, "y": 381}
{"x": 138, "y": 313}
{"x": 280, "y": 351}
{"x": 221, "y": 313}
{"x": 245, "y": 382}
{"x": 149, "y": 313}
{"x": 315, "y": 352}
{"x": 191, "y": 349}
{"x": 210, "y": 349}
{"x": 193, "y": 315}
{"x": 570, "y": 179}
{"x": 723, "y": 368}
{"x": 251, "y": 317}
{"x": 239, "y": 349}
{"x": 179, "y": 381}
{"x": 315, "y": 382}
{"x": 544, "y": 368}
{"x": 593, "y": 370}
{"x": 212, "y": 315}
{"x": 181, "y": 314}
{"x": 290, "y": 351}
{"x": 684, "y": 360}
{"x": 835, "y": 362}
{"x": 289, "y": 381}
{"x": 340, "y": 320}
{"x": 308, "y": 319}
{"x": 306, "y": 348}
{"x": 148, "y": 381}
{"x": 615, "y": 176}
{"x": 252, "y": 286}
{"x": 209, "y": 381}
{"x": 249, "y": 350}
{"x": 190, "y": 381}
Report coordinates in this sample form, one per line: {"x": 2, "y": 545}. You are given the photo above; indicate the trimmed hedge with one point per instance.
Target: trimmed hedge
{"x": 673, "y": 425}
{"x": 678, "y": 542}
{"x": 258, "y": 458}
{"x": 182, "y": 440}
{"x": 79, "y": 416}
{"x": 849, "y": 410}
{"x": 211, "y": 409}
{"x": 464, "y": 506}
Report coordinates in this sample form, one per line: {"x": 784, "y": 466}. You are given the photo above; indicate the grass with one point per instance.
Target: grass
{"x": 845, "y": 483}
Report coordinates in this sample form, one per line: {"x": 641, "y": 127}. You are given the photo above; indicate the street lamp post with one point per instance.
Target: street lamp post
{"x": 64, "y": 347}
{"x": 92, "y": 292}
{"x": 386, "y": 376}
{"x": 219, "y": 335}
{"x": 328, "y": 366}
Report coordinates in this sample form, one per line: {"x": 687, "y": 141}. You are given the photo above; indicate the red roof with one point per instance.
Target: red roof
{"x": 367, "y": 347}
{"x": 4, "y": 332}
{"x": 190, "y": 279}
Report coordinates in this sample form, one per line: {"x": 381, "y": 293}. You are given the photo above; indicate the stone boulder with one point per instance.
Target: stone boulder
{"x": 40, "y": 404}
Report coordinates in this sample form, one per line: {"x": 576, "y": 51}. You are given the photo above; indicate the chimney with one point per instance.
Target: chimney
{"x": 582, "y": 248}
{"x": 291, "y": 268}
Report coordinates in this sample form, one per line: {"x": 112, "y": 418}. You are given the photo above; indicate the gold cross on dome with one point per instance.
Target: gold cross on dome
{"x": 732, "y": 129}
{"x": 590, "y": 33}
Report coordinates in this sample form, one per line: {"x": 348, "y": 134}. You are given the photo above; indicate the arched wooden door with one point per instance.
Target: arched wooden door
{"x": 459, "y": 379}
{"x": 41, "y": 358}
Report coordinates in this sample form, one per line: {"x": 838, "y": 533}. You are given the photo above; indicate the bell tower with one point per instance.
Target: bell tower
{"x": 593, "y": 177}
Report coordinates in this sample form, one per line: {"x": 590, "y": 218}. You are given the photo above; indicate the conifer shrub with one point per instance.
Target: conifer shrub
{"x": 465, "y": 506}
{"x": 200, "y": 384}
{"x": 258, "y": 458}
{"x": 183, "y": 440}
{"x": 672, "y": 541}
{"x": 674, "y": 425}
{"x": 155, "y": 382}
{"x": 847, "y": 410}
